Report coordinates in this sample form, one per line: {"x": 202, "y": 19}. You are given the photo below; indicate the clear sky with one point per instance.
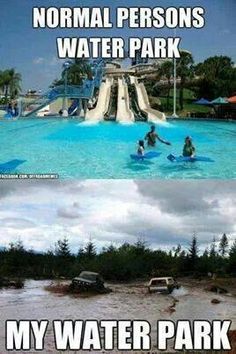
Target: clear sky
{"x": 164, "y": 213}
{"x": 33, "y": 51}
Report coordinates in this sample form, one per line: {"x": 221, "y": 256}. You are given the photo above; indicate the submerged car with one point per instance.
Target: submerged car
{"x": 88, "y": 281}
{"x": 164, "y": 284}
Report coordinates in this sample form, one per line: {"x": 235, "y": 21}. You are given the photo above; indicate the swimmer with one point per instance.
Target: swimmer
{"x": 188, "y": 149}
{"x": 152, "y": 136}
{"x": 141, "y": 148}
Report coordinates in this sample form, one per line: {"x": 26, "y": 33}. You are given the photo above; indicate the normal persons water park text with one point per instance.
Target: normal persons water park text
{"x": 110, "y": 47}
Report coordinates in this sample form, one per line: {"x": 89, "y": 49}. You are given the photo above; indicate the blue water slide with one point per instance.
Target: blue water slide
{"x": 73, "y": 107}
{"x": 83, "y": 91}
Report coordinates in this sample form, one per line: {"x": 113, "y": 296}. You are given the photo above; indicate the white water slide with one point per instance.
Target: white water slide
{"x": 124, "y": 113}
{"x": 143, "y": 102}
{"x": 102, "y": 105}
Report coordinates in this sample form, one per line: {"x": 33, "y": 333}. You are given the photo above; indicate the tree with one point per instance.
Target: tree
{"x": 80, "y": 253}
{"x": 213, "y": 252}
{"x": 140, "y": 246}
{"x": 217, "y": 77}
{"x": 63, "y": 248}
{"x": 16, "y": 246}
{"x": 223, "y": 246}
{"x": 90, "y": 250}
{"x": 166, "y": 70}
{"x": 15, "y": 260}
{"x": 193, "y": 253}
{"x": 184, "y": 67}
{"x": 10, "y": 82}
{"x": 80, "y": 69}
{"x": 232, "y": 258}
{"x": 177, "y": 250}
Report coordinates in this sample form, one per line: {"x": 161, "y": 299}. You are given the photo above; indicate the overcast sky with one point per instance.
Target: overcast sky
{"x": 33, "y": 52}
{"x": 163, "y": 213}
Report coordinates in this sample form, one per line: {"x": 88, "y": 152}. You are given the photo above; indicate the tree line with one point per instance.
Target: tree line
{"x": 214, "y": 77}
{"x": 118, "y": 263}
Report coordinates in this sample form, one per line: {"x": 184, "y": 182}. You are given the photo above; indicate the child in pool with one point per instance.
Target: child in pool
{"x": 141, "y": 147}
{"x": 188, "y": 149}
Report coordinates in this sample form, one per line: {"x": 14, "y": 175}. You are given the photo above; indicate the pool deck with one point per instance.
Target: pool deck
{"x": 112, "y": 120}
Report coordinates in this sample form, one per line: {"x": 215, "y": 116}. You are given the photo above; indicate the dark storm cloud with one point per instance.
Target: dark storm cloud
{"x": 69, "y": 212}
{"x": 187, "y": 197}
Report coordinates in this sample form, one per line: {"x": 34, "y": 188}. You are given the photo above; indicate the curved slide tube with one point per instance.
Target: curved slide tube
{"x": 124, "y": 113}
{"x": 102, "y": 105}
{"x": 143, "y": 102}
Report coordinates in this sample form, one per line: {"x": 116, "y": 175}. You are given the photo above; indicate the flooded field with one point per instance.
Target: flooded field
{"x": 125, "y": 302}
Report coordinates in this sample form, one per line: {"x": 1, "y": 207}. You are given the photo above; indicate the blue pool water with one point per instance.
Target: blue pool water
{"x": 74, "y": 149}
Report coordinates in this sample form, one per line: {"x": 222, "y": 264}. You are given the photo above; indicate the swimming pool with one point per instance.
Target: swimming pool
{"x": 75, "y": 149}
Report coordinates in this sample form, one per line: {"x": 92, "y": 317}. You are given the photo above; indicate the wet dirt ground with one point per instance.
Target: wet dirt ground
{"x": 126, "y": 301}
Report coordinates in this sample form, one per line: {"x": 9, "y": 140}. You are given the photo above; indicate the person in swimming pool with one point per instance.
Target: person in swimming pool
{"x": 141, "y": 147}
{"x": 152, "y": 137}
{"x": 188, "y": 149}
{"x": 9, "y": 108}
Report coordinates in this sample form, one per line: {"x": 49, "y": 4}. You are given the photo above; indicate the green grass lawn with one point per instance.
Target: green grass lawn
{"x": 189, "y": 106}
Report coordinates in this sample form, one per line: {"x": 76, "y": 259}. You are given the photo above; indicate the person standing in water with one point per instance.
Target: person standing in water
{"x": 141, "y": 147}
{"x": 188, "y": 149}
{"x": 16, "y": 110}
{"x": 152, "y": 137}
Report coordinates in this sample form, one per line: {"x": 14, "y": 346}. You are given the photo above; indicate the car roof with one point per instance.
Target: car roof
{"x": 87, "y": 272}
{"x": 162, "y": 278}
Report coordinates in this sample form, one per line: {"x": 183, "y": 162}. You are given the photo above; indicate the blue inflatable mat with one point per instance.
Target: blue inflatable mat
{"x": 174, "y": 158}
{"x": 10, "y": 165}
{"x": 147, "y": 155}
{"x": 8, "y": 116}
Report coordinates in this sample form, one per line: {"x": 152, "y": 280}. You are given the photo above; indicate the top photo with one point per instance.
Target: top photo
{"x": 118, "y": 90}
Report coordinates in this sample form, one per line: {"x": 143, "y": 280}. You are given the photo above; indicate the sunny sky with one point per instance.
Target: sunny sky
{"x": 33, "y": 51}
{"x": 163, "y": 213}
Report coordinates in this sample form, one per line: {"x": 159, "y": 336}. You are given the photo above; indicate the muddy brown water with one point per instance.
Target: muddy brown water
{"x": 125, "y": 302}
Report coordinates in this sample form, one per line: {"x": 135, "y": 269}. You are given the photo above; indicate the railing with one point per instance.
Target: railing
{"x": 84, "y": 91}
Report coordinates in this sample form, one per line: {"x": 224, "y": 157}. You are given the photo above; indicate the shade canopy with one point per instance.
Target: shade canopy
{"x": 203, "y": 102}
{"x": 219, "y": 100}
{"x": 232, "y": 99}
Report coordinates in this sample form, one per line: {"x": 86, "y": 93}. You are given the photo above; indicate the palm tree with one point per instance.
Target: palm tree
{"x": 10, "y": 83}
{"x": 166, "y": 70}
{"x": 184, "y": 72}
{"x": 78, "y": 71}
{"x": 2, "y": 81}
{"x": 14, "y": 86}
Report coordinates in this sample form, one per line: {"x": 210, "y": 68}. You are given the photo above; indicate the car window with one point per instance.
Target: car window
{"x": 160, "y": 282}
{"x": 88, "y": 276}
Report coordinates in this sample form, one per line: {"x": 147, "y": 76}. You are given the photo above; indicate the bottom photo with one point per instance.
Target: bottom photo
{"x": 118, "y": 266}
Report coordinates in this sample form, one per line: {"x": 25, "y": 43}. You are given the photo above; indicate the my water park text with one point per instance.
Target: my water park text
{"x": 130, "y": 335}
